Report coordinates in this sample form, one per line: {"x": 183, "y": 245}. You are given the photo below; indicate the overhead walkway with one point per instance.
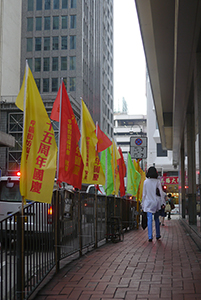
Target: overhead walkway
{"x": 133, "y": 269}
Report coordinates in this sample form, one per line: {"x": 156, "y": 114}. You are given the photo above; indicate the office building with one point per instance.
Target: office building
{"x": 72, "y": 40}
{"x": 127, "y": 126}
{"x": 10, "y": 38}
{"x": 161, "y": 158}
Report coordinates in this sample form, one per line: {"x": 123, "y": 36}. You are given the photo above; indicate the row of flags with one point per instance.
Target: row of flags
{"x": 41, "y": 159}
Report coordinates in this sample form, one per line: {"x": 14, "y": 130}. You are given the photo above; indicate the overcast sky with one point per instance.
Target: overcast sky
{"x": 129, "y": 61}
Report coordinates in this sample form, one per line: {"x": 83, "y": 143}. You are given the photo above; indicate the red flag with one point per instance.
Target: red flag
{"x": 103, "y": 141}
{"x": 98, "y": 188}
{"x": 122, "y": 173}
{"x": 70, "y": 164}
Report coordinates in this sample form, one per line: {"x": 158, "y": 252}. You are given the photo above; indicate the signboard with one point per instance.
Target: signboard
{"x": 138, "y": 147}
{"x": 165, "y": 180}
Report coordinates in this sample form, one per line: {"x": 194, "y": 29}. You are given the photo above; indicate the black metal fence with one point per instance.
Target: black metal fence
{"x": 35, "y": 241}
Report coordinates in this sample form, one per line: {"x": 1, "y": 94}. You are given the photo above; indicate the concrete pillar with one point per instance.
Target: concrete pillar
{"x": 191, "y": 168}
{"x": 198, "y": 94}
{"x": 182, "y": 182}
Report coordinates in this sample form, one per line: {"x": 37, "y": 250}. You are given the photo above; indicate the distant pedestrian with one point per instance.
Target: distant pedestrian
{"x": 169, "y": 201}
{"x": 163, "y": 214}
{"x": 151, "y": 203}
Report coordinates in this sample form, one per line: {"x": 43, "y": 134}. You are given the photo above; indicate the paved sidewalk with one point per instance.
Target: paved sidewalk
{"x": 133, "y": 269}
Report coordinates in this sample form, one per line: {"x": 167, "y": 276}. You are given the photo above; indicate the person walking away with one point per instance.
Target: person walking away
{"x": 151, "y": 203}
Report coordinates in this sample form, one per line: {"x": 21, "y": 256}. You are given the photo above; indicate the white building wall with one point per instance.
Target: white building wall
{"x": 10, "y": 35}
{"x": 122, "y": 134}
{"x": 161, "y": 163}
{"x": 151, "y": 128}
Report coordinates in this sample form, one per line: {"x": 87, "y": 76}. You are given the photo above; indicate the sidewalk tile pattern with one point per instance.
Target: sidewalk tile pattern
{"x": 168, "y": 269}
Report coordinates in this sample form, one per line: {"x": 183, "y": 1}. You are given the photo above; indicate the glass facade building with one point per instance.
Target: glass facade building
{"x": 67, "y": 39}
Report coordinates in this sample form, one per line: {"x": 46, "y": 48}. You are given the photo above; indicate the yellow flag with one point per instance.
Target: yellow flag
{"x": 93, "y": 172}
{"x": 115, "y": 169}
{"x": 143, "y": 177}
{"x": 38, "y": 160}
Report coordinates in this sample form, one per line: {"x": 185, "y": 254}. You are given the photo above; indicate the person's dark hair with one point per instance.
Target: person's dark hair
{"x": 152, "y": 173}
{"x": 169, "y": 195}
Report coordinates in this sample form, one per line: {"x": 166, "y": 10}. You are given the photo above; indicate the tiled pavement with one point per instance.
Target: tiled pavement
{"x": 133, "y": 269}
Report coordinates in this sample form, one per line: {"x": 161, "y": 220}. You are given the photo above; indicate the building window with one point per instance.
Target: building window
{"x": 45, "y": 85}
{"x": 73, "y": 3}
{"x": 30, "y": 5}
{"x": 30, "y": 63}
{"x": 64, "y": 63}
{"x": 64, "y": 22}
{"x": 56, "y": 4}
{"x": 46, "y": 64}
{"x": 37, "y": 80}
{"x": 38, "y": 4}
{"x": 72, "y": 84}
{"x": 37, "y": 64}
{"x": 15, "y": 124}
{"x": 160, "y": 151}
{"x": 55, "y": 43}
{"x": 47, "y": 4}
{"x": 72, "y": 62}
{"x": 64, "y": 3}
{"x": 73, "y": 21}
{"x": 29, "y": 24}
{"x": 47, "y": 23}
{"x": 55, "y": 63}
{"x": 29, "y": 44}
{"x": 54, "y": 84}
{"x": 38, "y": 23}
{"x": 63, "y": 42}
{"x": 46, "y": 43}
{"x": 55, "y": 22}
{"x": 38, "y": 44}
{"x": 73, "y": 42}
{"x": 157, "y": 125}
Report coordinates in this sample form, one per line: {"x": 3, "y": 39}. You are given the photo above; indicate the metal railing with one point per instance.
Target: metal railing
{"x": 35, "y": 241}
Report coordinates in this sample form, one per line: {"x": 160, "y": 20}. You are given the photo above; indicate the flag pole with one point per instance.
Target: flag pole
{"x": 59, "y": 129}
{"x": 127, "y": 175}
{"x": 138, "y": 201}
{"x": 114, "y": 177}
{"x": 23, "y": 197}
{"x": 114, "y": 153}
{"x": 96, "y": 134}
{"x": 106, "y": 174}
{"x": 96, "y": 200}
{"x": 24, "y": 114}
{"x": 106, "y": 186}
{"x": 57, "y": 192}
{"x": 81, "y": 123}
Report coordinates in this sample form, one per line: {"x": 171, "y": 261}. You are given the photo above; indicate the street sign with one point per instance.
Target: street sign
{"x": 138, "y": 147}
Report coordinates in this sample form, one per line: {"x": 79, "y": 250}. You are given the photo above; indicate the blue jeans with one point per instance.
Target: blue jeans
{"x": 149, "y": 224}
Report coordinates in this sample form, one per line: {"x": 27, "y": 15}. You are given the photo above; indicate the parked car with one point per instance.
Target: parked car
{"x": 38, "y": 217}
{"x": 10, "y": 197}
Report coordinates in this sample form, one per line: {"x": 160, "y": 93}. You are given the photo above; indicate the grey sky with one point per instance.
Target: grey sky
{"x": 129, "y": 61}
